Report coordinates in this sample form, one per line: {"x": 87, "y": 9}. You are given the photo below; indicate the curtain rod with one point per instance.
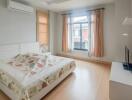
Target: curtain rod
{"x": 90, "y": 10}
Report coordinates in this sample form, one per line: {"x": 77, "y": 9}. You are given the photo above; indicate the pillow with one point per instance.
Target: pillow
{"x": 43, "y": 48}
{"x": 29, "y": 47}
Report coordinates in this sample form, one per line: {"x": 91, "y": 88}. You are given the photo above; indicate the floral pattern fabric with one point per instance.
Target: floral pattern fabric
{"x": 26, "y": 93}
{"x": 29, "y": 63}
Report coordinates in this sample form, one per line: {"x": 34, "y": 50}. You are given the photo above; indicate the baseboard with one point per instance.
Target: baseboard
{"x": 85, "y": 58}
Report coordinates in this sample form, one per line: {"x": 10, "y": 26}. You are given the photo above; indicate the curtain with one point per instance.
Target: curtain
{"x": 42, "y": 27}
{"x": 97, "y": 47}
{"x": 65, "y": 34}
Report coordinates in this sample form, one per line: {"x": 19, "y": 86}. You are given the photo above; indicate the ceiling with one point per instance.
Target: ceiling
{"x": 64, "y": 5}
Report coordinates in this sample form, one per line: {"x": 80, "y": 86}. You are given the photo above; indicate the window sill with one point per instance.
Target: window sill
{"x": 79, "y": 51}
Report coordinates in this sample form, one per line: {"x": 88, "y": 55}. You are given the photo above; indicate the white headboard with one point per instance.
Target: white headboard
{"x": 8, "y": 51}
{"x": 29, "y": 47}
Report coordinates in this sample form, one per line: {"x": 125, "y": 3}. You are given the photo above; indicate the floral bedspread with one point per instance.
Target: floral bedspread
{"x": 29, "y": 63}
{"x": 25, "y": 89}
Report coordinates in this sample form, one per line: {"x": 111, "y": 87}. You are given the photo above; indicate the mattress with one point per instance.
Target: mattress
{"x": 26, "y": 87}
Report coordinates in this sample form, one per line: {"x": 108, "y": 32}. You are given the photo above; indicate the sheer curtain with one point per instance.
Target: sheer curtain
{"x": 89, "y": 34}
{"x": 95, "y": 34}
{"x": 70, "y": 41}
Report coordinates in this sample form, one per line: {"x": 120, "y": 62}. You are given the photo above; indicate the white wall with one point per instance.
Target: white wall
{"x": 15, "y": 26}
{"x": 131, "y": 8}
{"x": 122, "y": 10}
{"x": 19, "y": 27}
{"x": 114, "y": 42}
{"x": 53, "y": 32}
{"x": 130, "y": 36}
{"x": 113, "y": 28}
{"x": 59, "y": 32}
{"x": 109, "y": 32}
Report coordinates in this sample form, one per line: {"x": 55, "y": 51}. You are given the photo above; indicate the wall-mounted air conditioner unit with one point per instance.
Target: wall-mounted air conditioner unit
{"x": 19, "y": 6}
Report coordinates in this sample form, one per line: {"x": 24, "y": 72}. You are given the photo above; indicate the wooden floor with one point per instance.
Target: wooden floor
{"x": 90, "y": 81}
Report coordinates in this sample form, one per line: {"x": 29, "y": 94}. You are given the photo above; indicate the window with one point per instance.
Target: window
{"x": 79, "y": 32}
{"x": 42, "y": 27}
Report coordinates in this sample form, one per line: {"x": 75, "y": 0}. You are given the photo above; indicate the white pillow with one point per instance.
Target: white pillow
{"x": 43, "y": 48}
{"x": 29, "y": 48}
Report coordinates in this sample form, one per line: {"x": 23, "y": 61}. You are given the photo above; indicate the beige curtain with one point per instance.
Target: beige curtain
{"x": 42, "y": 19}
{"x": 65, "y": 34}
{"x": 98, "y": 47}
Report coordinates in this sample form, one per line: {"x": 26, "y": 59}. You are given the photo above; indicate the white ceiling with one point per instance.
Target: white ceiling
{"x": 64, "y": 5}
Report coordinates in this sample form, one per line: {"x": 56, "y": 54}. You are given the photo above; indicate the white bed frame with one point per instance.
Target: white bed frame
{"x": 40, "y": 94}
{"x": 8, "y": 51}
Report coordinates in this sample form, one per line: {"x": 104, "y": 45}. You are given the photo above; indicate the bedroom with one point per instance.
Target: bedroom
{"x": 69, "y": 30}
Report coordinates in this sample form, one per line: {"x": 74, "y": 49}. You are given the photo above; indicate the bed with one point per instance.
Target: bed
{"x": 20, "y": 84}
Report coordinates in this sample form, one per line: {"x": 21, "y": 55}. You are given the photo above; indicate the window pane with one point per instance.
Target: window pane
{"x": 85, "y": 33}
{"x": 76, "y": 35}
{"x": 79, "y": 19}
{"x": 80, "y": 32}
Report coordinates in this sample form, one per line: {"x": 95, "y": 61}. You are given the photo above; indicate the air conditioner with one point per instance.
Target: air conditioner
{"x": 19, "y": 6}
